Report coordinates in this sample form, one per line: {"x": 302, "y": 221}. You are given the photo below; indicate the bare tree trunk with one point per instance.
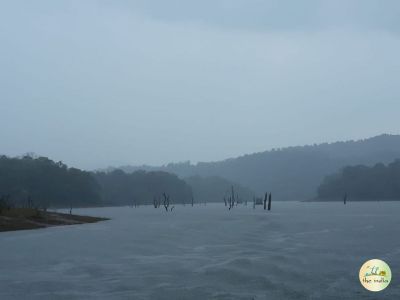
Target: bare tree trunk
{"x": 269, "y": 201}
{"x": 155, "y": 202}
{"x": 233, "y": 197}
{"x": 166, "y": 201}
{"x": 265, "y": 200}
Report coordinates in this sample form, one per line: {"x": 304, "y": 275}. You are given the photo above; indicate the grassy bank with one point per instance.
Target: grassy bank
{"x": 29, "y": 218}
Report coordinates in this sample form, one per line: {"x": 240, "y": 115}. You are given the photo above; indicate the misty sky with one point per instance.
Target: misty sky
{"x": 98, "y": 83}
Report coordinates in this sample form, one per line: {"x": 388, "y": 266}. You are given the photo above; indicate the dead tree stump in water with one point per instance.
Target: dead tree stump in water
{"x": 265, "y": 200}
{"x": 166, "y": 201}
{"x": 155, "y": 204}
{"x": 269, "y": 201}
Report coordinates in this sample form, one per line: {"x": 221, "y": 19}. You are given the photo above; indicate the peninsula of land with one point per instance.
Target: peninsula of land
{"x": 29, "y": 218}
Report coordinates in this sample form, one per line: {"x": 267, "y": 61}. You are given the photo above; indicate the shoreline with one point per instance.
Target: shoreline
{"x": 27, "y": 218}
{"x": 327, "y": 200}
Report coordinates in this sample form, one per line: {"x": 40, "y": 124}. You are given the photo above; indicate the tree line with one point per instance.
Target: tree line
{"x": 40, "y": 182}
{"x": 142, "y": 187}
{"x": 29, "y": 181}
{"x": 363, "y": 183}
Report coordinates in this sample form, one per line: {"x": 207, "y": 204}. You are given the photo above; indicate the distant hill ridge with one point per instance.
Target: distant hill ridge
{"x": 291, "y": 173}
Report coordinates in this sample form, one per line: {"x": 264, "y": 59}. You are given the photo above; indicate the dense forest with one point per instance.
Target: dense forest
{"x": 363, "y": 183}
{"x": 41, "y": 182}
{"x": 292, "y": 173}
{"x": 141, "y": 187}
{"x": 213, "y": 189}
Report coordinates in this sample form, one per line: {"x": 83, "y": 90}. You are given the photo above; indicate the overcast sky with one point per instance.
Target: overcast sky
{"x": 99, "y": 83}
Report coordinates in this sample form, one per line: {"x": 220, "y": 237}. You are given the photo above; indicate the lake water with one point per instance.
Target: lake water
{"x": 297, "y": 251}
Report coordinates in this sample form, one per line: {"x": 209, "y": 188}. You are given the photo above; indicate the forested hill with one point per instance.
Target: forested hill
{"x": 41, "y": 182}
{"x": 379, "y": 182}
{"x": 292, "y": 173}
{"x": 142, "y": 187}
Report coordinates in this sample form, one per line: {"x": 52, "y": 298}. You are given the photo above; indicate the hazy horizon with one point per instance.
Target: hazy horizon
{"x": 109, "y": 83}
{"x": 265, "y": 150}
